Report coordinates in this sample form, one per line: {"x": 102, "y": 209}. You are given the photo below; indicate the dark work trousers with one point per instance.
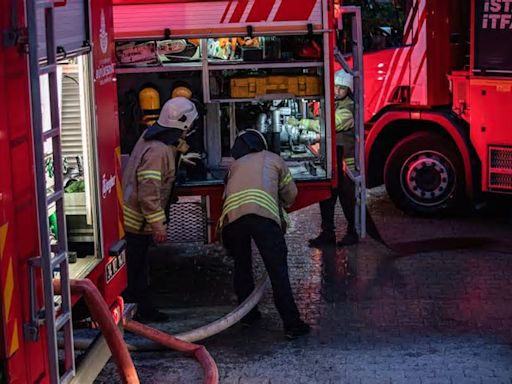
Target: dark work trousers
{"x": 137, "y": 247}
{"x": 345, "y": 193}
{"x": 270, "y": 241}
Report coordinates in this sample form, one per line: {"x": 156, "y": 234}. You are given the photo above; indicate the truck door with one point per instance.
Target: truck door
{"x": 354, "y": 66}
{"x": 57, "y": 32}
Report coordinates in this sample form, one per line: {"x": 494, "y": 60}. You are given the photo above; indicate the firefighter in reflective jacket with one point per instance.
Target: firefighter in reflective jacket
{"x": 344, "y": 192}
{"x": 147, "y": 185}
{"x": 258, "y": 188}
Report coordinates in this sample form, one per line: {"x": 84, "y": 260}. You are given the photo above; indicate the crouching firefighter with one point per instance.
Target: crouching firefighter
{"x": 148, "y": 181}
{"x": 258, "y": 188}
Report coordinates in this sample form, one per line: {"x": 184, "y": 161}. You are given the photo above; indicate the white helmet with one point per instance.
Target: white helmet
{"x": 344, "y": 79}
{"x": 178, "y": 112}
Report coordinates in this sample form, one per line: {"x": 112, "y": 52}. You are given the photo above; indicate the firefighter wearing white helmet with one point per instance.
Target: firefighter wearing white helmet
{"x": 148, "y": 181}
{"x": 344, "y": 192}
{"x": 343, "y": 89}
{"x": 178, "y": 112}
{"x": 344, "y": 79}
{"x": 181, "y": 89}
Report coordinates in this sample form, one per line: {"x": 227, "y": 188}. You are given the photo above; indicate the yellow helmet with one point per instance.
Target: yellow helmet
{"x": 149, "y": 100}
{"x": 181, "y": 91}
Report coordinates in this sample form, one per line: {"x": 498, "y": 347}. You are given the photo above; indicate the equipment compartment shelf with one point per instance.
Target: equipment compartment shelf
{"x": 263, "y": 65}
{"x": 198, "y": 66}
{"x": 267, "y": 97}
{"x": 175, "y": 67}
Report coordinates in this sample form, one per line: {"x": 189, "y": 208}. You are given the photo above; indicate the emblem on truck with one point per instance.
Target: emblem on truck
{"x": 103, "y": 33}
{"x": 107, "y": 185}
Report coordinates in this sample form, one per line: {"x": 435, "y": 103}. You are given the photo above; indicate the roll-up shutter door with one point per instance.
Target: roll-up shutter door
{"x": 71, "y": 27}
{"x": 71, "y": 122}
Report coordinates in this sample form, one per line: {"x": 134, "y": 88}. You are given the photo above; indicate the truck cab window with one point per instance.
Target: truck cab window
{"x": 383, "y": 24}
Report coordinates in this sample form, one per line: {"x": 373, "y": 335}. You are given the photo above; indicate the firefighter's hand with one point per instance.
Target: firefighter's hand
{"x": 191, "y": 158}
{"x": 307, "y": 124}
{"x": 293, "y": 121}
{"x": 159, "y": 232}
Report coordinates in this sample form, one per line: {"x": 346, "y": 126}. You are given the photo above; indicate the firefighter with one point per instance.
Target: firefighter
{"x": 343, "y": 89}
{"x": 258, "y": 188}
{"x": 182, "y": 89}
{"x": 147, "y": 184}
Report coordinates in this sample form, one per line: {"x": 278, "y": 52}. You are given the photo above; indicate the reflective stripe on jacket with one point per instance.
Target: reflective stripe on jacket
{"x": 147, "y": 184}
{"x": 345, "y": 126}
{"x": 258, "y": 183}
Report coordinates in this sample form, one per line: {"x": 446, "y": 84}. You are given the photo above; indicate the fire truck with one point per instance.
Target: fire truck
{"x": 438, "y": 90}
{"x": 246, "y": 64}
{"x": 63, "y": 69}
{"x": 60, "y": 192}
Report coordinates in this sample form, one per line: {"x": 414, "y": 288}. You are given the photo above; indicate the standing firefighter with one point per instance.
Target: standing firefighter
{"x": 344, "y": 86}
{"x": 259, "y": 186}
{"x": 147, "y": 185}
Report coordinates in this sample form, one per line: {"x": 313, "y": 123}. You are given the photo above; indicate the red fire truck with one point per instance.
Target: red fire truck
{"x": 60, "y": 142}
{"x": 60, "y": 191}
{"x": 436, "y": 99}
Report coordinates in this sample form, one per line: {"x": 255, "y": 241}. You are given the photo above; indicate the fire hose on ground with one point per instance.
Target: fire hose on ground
{"x": 202, "y": 332}
{"x": 196, "y": 334}
{"x": 162, "y": 338}
{"x": 217, "y": 326}
{"x": 100, "y": 313}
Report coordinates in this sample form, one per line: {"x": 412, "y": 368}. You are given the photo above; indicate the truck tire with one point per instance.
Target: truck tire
{"x": 424, "y": 174}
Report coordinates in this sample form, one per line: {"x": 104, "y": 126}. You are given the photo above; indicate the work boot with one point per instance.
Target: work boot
{"x": 251, "y": 318}
{"x": 151, "y": 316}
{"x": 324, "y": 238}
{"x": 350, "y": 238}
{"x": 296, "y": 330}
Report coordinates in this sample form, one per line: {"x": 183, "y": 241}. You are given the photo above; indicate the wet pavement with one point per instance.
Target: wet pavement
{"x": 435, "y": 308}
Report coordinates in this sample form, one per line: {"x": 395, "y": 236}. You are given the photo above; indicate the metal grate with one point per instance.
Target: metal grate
{"x": 188, "y": 221}
{"x": 500, "y": 168}
{"x": 501, "y": 181}
{"x": 501, "y": 157}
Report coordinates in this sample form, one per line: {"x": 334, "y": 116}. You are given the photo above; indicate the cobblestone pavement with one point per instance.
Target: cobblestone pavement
{"x": 439, "y": 313}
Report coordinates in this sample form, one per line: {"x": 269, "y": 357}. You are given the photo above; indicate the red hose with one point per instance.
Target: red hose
{"x": 199, "y": 351}
{"x": 100, "y": 313}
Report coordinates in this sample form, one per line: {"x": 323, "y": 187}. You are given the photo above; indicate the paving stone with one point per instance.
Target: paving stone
{"x": 253, "y": 380}
{"x": 435, "y": 380}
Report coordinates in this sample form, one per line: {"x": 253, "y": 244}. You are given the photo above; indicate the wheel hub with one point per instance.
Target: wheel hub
{"x": 428, "y": 178}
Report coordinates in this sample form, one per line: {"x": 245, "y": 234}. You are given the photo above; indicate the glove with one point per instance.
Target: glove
{"x": 293, "y": 121}
{"x": 191, "y": 158}
{"x": 311, "y": 124}
{"x": 159, "y": 232}
{"x": 308, "y": 124}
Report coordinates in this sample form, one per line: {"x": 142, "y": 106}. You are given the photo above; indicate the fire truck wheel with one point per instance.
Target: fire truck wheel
{"x": 424, "y": 174}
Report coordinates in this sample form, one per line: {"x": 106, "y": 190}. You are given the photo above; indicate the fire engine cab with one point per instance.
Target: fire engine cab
{"x": 438, "y": 91}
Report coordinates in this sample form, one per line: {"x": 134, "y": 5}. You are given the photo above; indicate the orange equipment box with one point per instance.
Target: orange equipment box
{"x": 248, "y": 87}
